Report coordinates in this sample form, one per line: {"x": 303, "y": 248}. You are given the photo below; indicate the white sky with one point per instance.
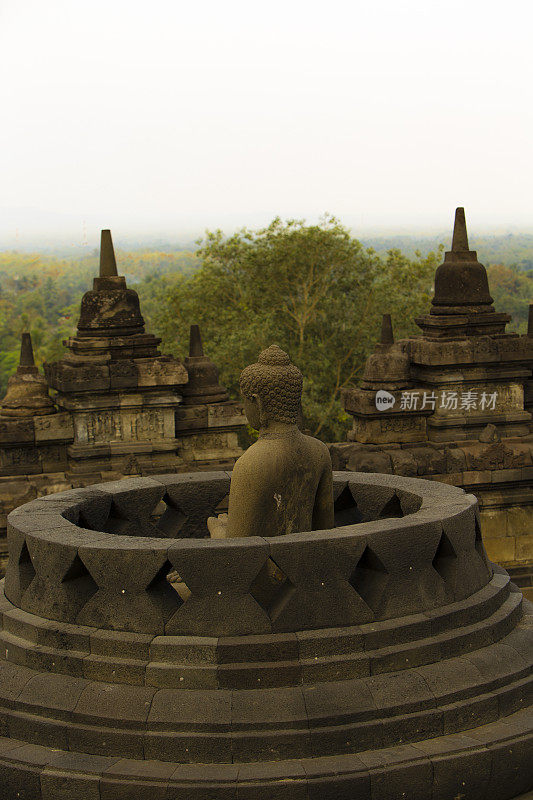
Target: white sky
{"x": 164, "y": 115}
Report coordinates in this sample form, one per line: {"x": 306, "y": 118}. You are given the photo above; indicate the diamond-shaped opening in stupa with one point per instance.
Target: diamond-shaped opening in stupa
{"x": 445, "y": 559}
{"x": 168, "y": 589}
{"x": 168, "y": 517}
{"x": 346, "y": 511}
{"x": 83, "y": 522}
{"x": 78, "y": 579}
{"x": 370, "y": 578}
{"x": 479, "y": 546}
{"x": 223, "y": 506}
{"x": 272, "y": 589}
{"x": 117, "y": 522}
{"x": 26, "y": 568}
{"x": 392, "y": 508}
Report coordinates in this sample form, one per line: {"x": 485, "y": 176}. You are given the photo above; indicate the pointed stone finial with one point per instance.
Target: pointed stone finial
{"x": 461, "y": 282}
{"x": 460, "y": 235}
{"x": 203, "y": 386}
{"x": 530, "y": 322}
{"x": 27, "y": 391}
{"x": 196, "y": 349}
{"x": 387, "y": 335}
{"x": 26, "y": 351}
{"x": 108, "y": 264}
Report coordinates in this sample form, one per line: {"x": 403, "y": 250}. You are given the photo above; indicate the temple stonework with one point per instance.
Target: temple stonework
{"x": 455, "y": 404}
{"x": 121, "y": 407}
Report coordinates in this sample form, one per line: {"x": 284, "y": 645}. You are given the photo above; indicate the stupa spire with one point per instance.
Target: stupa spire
{"x": 203, "y": 386}
{"x": 387, "y": 334}
{"x": 460, "y": 235}
{"x": 461, "y": 281}
{"x": 196, "y": 349}
{"x": 26, "y": 353}
{"x": 108, "y": 264}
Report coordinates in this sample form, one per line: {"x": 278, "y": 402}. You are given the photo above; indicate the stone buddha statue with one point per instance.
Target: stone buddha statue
{"x": 283, "y": 482}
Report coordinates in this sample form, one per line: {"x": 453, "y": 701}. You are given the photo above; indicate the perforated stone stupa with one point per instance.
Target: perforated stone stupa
{"x": 140, "y": 659}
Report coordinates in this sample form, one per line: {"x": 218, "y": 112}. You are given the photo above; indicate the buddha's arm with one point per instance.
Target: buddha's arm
{"x": 244, "y": 513}
{"x": 323, "y": 510}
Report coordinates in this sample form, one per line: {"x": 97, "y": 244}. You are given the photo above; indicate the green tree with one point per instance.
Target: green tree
{"x": 314, "y": 290}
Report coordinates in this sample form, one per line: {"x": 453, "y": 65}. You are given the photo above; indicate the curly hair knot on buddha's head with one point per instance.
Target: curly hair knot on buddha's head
{"x": 277, "y": 382}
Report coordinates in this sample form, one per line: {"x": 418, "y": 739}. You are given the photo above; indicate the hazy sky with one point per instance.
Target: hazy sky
{"x": 167, "y": 115}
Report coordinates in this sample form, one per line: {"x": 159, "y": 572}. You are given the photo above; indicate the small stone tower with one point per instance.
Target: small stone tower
{"x": 207, "y": 422}
{"x": 464, "y": 414}
{"x": 121, "y": 392}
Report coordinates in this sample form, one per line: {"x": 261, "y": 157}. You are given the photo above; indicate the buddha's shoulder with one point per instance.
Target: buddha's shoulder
{"x": 318, "y": 446}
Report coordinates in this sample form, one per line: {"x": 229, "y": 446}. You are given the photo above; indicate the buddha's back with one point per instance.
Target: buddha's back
{"x": 281, "y": 484}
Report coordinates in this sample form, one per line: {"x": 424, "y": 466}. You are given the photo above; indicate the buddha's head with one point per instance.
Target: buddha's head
{"x": 271, "y": 389}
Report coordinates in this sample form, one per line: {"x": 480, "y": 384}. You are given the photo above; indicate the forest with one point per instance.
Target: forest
{"x": 315, "y": 290}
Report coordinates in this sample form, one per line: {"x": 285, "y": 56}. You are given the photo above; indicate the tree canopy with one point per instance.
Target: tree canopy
{"x": 311, "y": 289}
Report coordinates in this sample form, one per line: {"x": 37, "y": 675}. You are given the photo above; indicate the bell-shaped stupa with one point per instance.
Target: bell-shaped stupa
{"x": 388, "y": 366}
{"x": 27, "y": 391}
{"x": 110, "y": 309}
{"x": 462, "y": 304}
{"x": 203, "y": 385}
{"x": 461, "y": 281}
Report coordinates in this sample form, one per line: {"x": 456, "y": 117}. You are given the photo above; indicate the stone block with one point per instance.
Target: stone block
{"x": 53, "y": 428}
{"x": 512, "y": 766}
{"x": 524, "y": 548}
{"x": 319, "y": 593}
{"x": 19, "y": 782}
{"x": 13, "y": 678}
{"x": 123, "y": 374}
{"x": 501, "y": 550}
{"x": 57, "y": 785}
{"x": 225, "y": 415}
{"x": 117, "y": 789}
{"x": 104, "y": 741}
{"x": 38, "y": 730}
{"x": 274, "y": 744}
{"x": 403, "y": 463}
{"x": 451, "y": 680}
{"x": 219, "y": 574}
{"x": 520, "y": 520}
{"x": 342, "y": 777}
{"x": 467, "y": 774}
{"x": 389, "y": 780}
{"x": 183, "y": 676}
{"x": 274, "y": 647}
{"x": 196, "y": 709}
{"x": 339, "y": 702}
{"x": 127, "y": 705}
{"x": 16, "y": 431}
{"x": 476, "y": 477}
{"x": 400, "y": 693}
{"x": 494, "y": 523}
{"x": 180, "y": 747}
{"x": 52, "y": 691}
{"x": 365, "y": 461}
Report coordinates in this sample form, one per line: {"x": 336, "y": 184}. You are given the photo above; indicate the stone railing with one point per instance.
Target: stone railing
{"x": 134, "y": 555}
